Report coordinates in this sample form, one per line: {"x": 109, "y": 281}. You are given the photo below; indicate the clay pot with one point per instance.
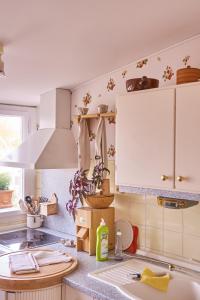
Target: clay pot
{"x": 6, "y": 198}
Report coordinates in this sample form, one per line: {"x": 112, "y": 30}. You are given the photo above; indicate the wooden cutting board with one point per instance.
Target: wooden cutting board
{"x": 48, "y": 275}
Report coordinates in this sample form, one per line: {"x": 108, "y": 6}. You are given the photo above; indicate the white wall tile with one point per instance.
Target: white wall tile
{"x": 191, "y": 220}
{"x": 172, "y": 243}
{"x": 191, "y": 247}
{"x": 173, "y": 219}
{"x": 154, "y": 239}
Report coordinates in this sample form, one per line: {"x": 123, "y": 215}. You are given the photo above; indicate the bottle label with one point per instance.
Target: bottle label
{"x": 104, "y": 245}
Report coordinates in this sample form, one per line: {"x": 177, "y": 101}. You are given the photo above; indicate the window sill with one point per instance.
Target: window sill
{"x": 11, "y": 211}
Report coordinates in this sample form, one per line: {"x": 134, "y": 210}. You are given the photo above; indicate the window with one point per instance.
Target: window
{"x": 15, "y": 125}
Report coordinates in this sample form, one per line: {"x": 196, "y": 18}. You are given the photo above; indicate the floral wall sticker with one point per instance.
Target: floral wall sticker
{"x": 71, "y": 123}
{"x": 87, "y": 99}
{"x": 111, "y": 120}
{"x": 111, "y": 151}
{"x": 142, "y": 63}
{"x": 111, "y": 84}
{"x": 92, "y": 136}
{"x": 168, "y": 73}
{"x": 124, "y": 73}
{"x": 185, "y": 60}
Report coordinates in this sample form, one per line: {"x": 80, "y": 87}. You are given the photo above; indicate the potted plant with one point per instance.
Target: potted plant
{"x": 5, "y": 193}
{"x": 78, "y": 190}
{"x": 80, "y": 187}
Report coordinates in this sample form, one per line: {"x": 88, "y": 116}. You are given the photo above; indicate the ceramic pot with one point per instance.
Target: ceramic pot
{"x": 83, "y": 110}
{"x": 102, "y": 108}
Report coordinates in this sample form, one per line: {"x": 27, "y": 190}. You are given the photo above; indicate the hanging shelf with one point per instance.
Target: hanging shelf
{"x": 95, "y": 116}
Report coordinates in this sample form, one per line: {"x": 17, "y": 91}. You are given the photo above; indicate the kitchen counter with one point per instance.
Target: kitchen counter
{"x": 79, "y": 279}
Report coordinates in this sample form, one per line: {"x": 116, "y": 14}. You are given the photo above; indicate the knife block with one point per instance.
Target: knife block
{"x": 87, "y": 221}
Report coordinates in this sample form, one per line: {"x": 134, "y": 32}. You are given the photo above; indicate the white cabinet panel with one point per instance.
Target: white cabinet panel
{"x": 73, "y": 294}
{"x": 188, "y": 138}
{"x": 2, "y": 295}
{"x": 145, "y": 139}
{"x": 51, "y": 293}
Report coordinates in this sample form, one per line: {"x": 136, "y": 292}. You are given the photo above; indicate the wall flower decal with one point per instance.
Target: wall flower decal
{"x": 124, "y": 73}
{"x": 185, "y": 60}
{"x": 87, "y": 99}
{"x": 168, "y": 73}
{"x": 111, "y": 151}
{"x": 92, "y": 135}
{"x": 142, "y": 63}
{"x": 110, "y": 85}
{"x": 111, "y": 120}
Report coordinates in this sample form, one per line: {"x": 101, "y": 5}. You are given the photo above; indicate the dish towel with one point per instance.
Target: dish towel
{"x": 23, "y": 263}
{"x": 157, "y": 282}
{"x": 101, "y": 142}
{"x": 45, "y": 258}
{"x": 83, "y": 146}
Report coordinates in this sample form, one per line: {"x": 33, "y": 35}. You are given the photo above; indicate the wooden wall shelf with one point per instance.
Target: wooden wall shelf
{"x": 95, "y": 116}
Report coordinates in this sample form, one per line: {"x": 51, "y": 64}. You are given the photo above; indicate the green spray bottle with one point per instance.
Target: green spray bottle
{"x": 102, "y": 242}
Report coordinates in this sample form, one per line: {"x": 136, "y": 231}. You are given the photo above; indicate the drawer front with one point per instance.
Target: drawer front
{"x": 83, "y": 218}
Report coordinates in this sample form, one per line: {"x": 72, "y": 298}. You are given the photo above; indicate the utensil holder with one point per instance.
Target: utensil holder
{"x": 34, "y": 221}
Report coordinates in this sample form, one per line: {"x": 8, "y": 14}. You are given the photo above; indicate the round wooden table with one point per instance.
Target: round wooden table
{"x": 47, "y": 277}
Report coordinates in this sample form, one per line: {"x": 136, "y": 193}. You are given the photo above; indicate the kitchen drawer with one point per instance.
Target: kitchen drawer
{"x": 83, "y": 217}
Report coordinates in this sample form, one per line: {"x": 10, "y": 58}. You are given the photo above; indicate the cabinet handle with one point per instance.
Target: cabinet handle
{"x": 164, "y": 177}
{"x": 179, "y": 178}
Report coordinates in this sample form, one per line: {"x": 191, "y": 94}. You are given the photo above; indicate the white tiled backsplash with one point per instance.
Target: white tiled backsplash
{"x": 165, "y": 231}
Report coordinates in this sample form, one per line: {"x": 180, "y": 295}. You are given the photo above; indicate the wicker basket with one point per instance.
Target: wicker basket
{"x": 99, "y": 201}
{"x": 188, "y": 74}
{"x": 144, "y": 83}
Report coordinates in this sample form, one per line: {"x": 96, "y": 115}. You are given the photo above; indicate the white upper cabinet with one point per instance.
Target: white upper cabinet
{"x": 145, "y": 139}
{"x": 158, "y": 139}
{"x": 187, "y": 168}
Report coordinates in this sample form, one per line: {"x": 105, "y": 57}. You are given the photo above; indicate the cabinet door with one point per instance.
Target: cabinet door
{"x": 188, "y": 138}
{"x": 145, "y": 139}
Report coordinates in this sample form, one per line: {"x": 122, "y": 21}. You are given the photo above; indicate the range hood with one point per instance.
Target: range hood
{"x": 52, "y": 146}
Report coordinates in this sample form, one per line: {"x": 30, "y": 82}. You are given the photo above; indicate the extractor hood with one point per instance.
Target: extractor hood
{"x": 53, "y": 145}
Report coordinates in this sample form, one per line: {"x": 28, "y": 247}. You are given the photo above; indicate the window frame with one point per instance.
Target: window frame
{"x": 29, "y": 125}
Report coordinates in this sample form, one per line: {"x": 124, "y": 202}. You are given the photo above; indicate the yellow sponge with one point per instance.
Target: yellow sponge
{"x": 157, "y": 282}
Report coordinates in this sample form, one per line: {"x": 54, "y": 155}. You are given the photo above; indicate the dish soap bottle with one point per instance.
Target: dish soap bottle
{"x": 102, "y": 242}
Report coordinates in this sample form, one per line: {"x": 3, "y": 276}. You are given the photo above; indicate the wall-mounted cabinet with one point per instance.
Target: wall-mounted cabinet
{"x": 157, "y": 139}
{"x": 187, "y": 166}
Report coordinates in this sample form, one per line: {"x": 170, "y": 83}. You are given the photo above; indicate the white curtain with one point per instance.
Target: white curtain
{"x": 101, "y": 142}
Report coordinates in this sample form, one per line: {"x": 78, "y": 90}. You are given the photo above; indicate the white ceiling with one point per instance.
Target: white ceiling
{"x": 61, "y": 43}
